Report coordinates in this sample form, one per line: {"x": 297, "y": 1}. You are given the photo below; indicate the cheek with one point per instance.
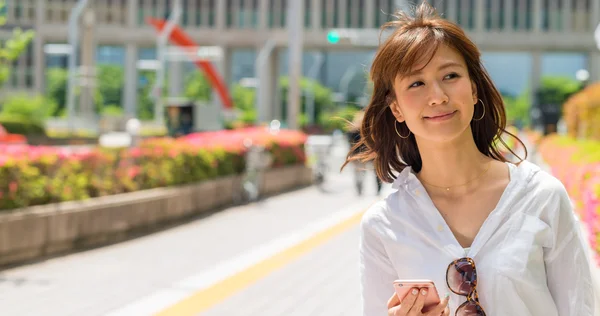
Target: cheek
{"x": 411, "y": 104}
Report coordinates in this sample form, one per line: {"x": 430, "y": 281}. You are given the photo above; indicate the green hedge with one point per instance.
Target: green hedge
{"x": 21, "y": 126}
{"x": 33, "y": 175}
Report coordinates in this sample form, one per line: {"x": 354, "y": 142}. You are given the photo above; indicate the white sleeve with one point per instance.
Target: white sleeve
{"x": 376, "y": 271}
{"x": 568, "y": 267}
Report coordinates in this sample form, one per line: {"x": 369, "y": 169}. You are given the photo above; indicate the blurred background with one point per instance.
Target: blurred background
{"x": 181, "y": 157}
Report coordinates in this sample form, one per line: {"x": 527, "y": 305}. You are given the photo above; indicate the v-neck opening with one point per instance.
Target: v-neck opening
{"x": 475, "y": 245}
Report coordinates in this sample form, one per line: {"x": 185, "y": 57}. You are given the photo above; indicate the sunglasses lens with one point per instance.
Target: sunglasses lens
{"x": 462, "y": 277}
{"x": 470, "y": 309}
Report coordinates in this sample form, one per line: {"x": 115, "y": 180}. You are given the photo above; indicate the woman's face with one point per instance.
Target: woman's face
{"x": 437, "y": 102}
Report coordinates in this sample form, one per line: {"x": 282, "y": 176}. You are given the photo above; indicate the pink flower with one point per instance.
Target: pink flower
{"x": 13, "y": 186}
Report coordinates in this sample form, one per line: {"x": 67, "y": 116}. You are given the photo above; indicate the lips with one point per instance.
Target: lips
{"x": 440, "y": 115}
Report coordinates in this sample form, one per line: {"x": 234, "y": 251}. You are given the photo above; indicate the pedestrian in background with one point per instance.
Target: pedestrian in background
{"x": 500, "y": 238}
{"x": 353, "y": 137}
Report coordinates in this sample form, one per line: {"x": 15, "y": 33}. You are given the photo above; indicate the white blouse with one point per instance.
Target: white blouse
{"x": 529, "y": 253}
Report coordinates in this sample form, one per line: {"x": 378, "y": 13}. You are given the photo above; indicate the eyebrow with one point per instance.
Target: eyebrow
{"x": 443, "y": 66}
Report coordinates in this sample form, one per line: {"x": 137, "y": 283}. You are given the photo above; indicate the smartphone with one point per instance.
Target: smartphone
{"x": 403, "y": 287}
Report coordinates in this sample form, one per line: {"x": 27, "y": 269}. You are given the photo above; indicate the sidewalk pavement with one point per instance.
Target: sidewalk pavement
{"x": 146, "y": 275}
{"x": 155, "y": 268}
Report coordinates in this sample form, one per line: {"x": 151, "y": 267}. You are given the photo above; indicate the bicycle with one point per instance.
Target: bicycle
{"x": 319, "y": 148}
{"x": 257, "y": 160}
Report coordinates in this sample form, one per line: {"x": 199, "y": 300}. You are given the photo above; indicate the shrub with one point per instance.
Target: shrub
{"x": 33, "y": 175}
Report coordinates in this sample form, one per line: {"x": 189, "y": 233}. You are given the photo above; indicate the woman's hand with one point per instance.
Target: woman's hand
{"x": 413, "y": 305}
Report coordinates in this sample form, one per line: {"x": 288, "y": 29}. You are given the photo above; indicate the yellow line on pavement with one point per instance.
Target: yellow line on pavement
{"x": 211, "y": 296}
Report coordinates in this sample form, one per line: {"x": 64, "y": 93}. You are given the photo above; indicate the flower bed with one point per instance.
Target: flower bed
{"x": 34, "y": 175}
{"x": 577, "y": 164}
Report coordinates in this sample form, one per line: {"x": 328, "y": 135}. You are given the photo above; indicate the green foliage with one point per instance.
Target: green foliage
{"x": 339, "y": 118}
{"x": 243, "y": 101}
{"x": 17, "y": 125}
{"x": 517, "y": 108}
{"x": 112, "y": 110}
{"x": 51, "y": 177}
{"x": 28, "y": 108}
{"x": 322, "y": 94}
{"x": 110, "y": 82}
{"x": 556, "y": 89}
{"x": 197, "y": 86}
{"x": 12, "y": 48}
{"x": 56, "y": 88}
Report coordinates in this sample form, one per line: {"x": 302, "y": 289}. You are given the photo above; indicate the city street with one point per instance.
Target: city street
{"x": 148, "y": 275}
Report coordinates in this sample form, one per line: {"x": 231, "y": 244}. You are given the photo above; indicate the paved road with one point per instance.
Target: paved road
{"x": 122, "y": 279}
{"x": 294, "y": 254}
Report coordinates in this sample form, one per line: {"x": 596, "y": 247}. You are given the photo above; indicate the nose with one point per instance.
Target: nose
{"x": 437, "y": 95}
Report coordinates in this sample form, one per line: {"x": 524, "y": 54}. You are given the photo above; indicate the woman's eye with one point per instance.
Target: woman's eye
{"x": 451, "y": 76}
{"x": 416, "y": 84}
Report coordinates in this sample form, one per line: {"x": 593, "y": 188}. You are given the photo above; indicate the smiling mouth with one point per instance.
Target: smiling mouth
{"x": 440, "y": 116}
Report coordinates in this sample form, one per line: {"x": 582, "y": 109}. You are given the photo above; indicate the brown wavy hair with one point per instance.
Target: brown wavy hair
{"x": 413, "y": 38}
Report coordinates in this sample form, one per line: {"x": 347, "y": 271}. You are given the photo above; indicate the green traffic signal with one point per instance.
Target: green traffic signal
{"x": 333, "y": 37}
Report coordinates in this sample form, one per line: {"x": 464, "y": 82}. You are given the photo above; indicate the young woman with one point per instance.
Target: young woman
{"x": 500, "y": 238}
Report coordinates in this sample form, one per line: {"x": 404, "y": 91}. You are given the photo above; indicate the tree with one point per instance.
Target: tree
{"x": 12, "y": 48}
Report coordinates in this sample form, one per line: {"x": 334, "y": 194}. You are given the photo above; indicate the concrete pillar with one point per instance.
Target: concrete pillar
{"x": 317, "y": 11}
{"x": 537, "y": 16}
{"x": 220, "y": 18}
{"x": 295, "y": 30}
{"x": 594, "y": 14}
{"x": 204, "y": 7}
{"x": 495, "y": 16}
{"x": 480, "y": 17}
{"x": 594, "y": 66}
{"x": 39, "y": 57}
{"x": 566, "y": 15}
{"x": 354, "y": 13}
{"x": 211, "y": 116}
{"x": 508, "y": 16}
{"x": 268, "y": 81}
{"x": 129, "y": 99}
{"x": 263, "y": 16}
{"x": 175, "y": 69}
{"x": 87, "y": 71}
{"x": 329, "y": 10}
{"x": 236, "y": 17}
{"x": 369, "y": 14}
{"x": 553, "y": 15}
{"x": 535, "y": 77}
{"x": 275, "y": 60}
{"x": 342, "y": 10}
{"x": 451, "y": 13}
{"x": 522, "y": 15}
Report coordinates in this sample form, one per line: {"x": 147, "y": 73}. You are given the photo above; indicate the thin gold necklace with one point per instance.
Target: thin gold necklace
{"x": 459, "y": 185}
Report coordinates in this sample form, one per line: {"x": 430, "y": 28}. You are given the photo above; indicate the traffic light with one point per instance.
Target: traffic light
{"x": 333, "y": 37}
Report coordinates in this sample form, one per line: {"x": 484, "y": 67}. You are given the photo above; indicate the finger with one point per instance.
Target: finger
{"x": 393, "y": 301}
{"x": 408, "y": 301}
{"x": 446, "y": 311}
{"x": 420, "y": 301}
{"x": 440, "y": 308}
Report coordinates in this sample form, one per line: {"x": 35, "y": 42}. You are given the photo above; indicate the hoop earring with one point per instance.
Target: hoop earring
{"x": 396, "y": 128}
{"x": 482, "y": 115}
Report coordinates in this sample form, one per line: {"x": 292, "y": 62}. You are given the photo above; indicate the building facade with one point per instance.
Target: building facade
{"x": 534, "y": 26}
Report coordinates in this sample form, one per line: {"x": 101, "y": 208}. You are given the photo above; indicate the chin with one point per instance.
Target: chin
{"x": 446, "y": 134}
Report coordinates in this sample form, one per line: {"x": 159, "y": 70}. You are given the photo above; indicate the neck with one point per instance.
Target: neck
{"x": 457, "y": 164}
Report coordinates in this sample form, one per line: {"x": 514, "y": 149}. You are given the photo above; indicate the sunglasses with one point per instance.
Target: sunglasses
{"x": 461, "y": 277}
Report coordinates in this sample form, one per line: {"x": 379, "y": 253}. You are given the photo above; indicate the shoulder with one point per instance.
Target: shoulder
{"x": 374, "y": 217}
{"x": 542, "y": 183}
{"x": 545, "y": 195}
{"x": 384, "y": 214}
